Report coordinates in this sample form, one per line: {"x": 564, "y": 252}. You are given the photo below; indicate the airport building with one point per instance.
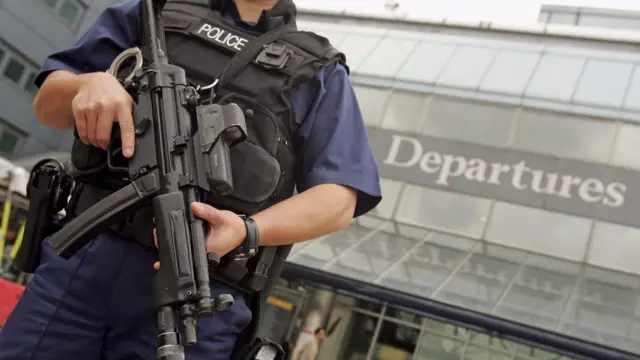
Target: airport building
{"x": 510, "y": 171}
{"x": 510, "y": 174}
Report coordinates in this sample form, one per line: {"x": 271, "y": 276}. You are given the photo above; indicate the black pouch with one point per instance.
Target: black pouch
{"x": 255, "y": 170}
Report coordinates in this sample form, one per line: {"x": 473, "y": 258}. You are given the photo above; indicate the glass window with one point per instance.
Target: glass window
{"x": 613, "y": 247}
{"x": 604, "y": 83}
{"x": 8, "y": 143}
{"x": 426, "y": 62}
{"x": 563, "y": 18}
{"x": 525, "y": 352}
{"x": 625, "y": 151}
{"x": 539, "y": 231}
{"x": 372, "y": 102}
{"x": 435, "y": 346}
{"x": 481, "y": 280}
{"x": 405, "y": 111}
{"x": 413, "y": 232}
{"x": 475, "y": 122}
{"x": 609, "y": 22}
{"x": 358, "y": 47}
{"x": 603, "y": 308}
{"x": 556, "y": 77}
{"x": 539, "y": 291}
{"x": 371, "y": 258}
{"x": 510, "y": 72}
{"x": 486, "y": 347}
{"x": 632, "y": 100}
{"x": 30, "y": 85}
{"x": 395, "y": 342}
{"x": 467, "y": 67}
{"x": 391, "y": 190}
{"x": 351, "y": 338}
{"x": 428, "y": 265}
{"x": 441, "y": 210}
{"x": 324, "y": 250}
{"x": 543, "y": 17}
{"x": 404, "y": 316}
{"x": 69, "y": 12}
{"x": 564, "y": 136}
{"x": 14, "y": 70}
{"x": 387, "y": 57}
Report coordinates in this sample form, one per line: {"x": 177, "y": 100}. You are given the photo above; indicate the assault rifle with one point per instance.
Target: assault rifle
{"x": 173, "y": 166}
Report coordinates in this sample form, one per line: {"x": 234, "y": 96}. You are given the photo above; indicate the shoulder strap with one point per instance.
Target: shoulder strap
{"x": 244, "y": 57}
{"x": 318, "y": 46}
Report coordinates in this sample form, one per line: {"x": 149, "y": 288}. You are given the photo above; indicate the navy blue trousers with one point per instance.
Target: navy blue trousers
{"x": 99, "y": 305}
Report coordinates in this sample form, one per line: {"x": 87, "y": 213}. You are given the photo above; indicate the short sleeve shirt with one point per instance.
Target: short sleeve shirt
{"x": 331, "y": 138}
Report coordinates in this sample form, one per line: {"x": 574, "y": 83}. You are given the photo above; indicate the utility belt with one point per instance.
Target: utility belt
{"x": 137, "y": 226}
{"x": 247, "y": 276}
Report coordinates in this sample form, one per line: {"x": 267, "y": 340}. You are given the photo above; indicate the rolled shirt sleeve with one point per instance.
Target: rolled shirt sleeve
{"x": 332, "y": 140}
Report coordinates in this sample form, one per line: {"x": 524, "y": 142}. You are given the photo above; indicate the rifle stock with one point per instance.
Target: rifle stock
{"x": 173, "y": 166}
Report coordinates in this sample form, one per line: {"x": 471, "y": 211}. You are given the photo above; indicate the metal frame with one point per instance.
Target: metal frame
{"x": 509, "y": 330}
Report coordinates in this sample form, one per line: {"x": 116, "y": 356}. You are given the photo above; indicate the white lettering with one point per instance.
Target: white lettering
{"x": 223, "y": 37}
{"x": 395, "y": 150}
{"x": 496, "y": 171}
{"x": 449, "y": 160}
{"x": 407, "y": 152}
{"x": 430, "y": 158}
{"x": 477, "y": 169}
{"x": 615, "y": 192}
{"x": 516, "y": 181}
{"x": 591, "y": 190}
{"x": 550, "y": 184}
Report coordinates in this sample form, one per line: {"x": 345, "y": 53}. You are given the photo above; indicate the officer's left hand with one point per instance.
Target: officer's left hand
{"x": 226, "y": 229}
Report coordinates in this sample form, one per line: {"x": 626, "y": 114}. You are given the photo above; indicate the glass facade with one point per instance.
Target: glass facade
{"x": 559, "y": 269}
{"x": 359, "y": 329}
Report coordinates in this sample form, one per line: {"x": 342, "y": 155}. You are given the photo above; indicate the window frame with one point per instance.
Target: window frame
{"x": 30, "y": 68}
{"x": 7, "y": 127}
{"x": 56, "y": 10}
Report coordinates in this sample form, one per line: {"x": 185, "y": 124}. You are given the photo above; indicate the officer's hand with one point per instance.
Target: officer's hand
{"x": 100, "y": 102}
{"x": 226, "y": 229}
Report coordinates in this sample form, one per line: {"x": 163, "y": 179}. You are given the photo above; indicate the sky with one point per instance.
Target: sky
{"x": 517, "y": 12}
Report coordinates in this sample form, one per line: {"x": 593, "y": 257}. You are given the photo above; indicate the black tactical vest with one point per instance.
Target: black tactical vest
{"x": 266, "y": 66}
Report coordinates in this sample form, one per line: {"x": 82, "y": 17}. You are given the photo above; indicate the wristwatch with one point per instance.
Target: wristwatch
{"x": 249, "y": 247}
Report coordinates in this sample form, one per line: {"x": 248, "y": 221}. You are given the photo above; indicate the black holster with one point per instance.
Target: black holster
{"x": 261, "y": 349}
{"x": 48, "y": 190}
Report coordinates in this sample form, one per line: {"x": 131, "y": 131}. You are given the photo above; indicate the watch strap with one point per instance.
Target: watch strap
{"x": 249, "y": 246}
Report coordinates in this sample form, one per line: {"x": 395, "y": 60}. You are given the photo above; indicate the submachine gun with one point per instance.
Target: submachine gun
{"x": 173, "y": 166}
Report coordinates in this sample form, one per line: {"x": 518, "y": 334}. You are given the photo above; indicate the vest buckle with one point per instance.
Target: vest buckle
{"x": 273, "y": 56}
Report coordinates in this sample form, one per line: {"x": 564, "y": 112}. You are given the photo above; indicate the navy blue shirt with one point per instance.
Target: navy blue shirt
{"x": 333, "y": 147}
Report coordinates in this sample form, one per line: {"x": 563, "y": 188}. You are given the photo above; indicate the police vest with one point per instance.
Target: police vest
{"x": 257, "y": 71}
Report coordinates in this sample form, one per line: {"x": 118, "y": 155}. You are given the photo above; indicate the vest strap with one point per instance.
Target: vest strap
{"x": 244, "y": 57}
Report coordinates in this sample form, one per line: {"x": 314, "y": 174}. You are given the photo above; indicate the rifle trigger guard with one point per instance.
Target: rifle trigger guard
{"x": 117, "y": 63}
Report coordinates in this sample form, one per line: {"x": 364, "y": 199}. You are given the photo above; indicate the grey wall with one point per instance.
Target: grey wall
{"x": 30, "y": 31}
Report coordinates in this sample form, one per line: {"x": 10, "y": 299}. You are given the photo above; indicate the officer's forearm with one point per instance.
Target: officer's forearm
{"x": 318, "y": 211}
{"x": 52, "y": 105}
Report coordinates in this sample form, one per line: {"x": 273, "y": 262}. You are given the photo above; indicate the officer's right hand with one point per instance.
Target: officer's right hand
{"x": 101, "y": 101}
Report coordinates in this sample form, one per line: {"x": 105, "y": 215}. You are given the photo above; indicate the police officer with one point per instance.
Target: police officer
{"x": 99, "y": 304}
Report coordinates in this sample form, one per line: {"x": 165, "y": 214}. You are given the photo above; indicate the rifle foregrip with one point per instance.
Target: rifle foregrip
{"x": 172, "y": 231}
{"x": 79, "y": 231}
